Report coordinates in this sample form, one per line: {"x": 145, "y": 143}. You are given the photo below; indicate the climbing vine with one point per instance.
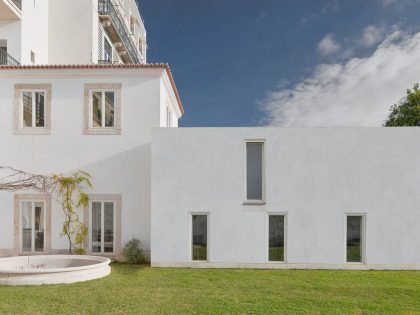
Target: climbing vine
{"x": 70, "y": 194}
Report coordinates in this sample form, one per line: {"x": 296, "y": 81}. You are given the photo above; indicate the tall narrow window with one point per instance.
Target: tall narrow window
{"x": 254, "y": 170}
{"x": 102, "y": 227}
{"x": 107, "y": 51}
{"x": 168, "y": 117}
{"x": 354, "y": 250}
{"x": 199, "y": 237}
{"x": 102, "y": 109}
{"x": 33, "y": 109}
{"x": 276, "y": 237}
{"x": 32, "y": 226}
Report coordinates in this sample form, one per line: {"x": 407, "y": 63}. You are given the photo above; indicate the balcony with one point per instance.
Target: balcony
{"x": 10, "y": 9}
{"x": 6, "y": 59}
{"x": 118, "y": 32}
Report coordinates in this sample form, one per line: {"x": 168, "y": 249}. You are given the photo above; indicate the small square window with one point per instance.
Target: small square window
{"x": 102, "y": 109}
{"x": 32, "y": 108}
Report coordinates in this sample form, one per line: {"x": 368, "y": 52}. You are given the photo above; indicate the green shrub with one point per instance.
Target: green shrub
{"x": 133, "y": 252}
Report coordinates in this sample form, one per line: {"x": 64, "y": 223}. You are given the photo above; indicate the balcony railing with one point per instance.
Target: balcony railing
{"x": 105, "y": 7}
{"x": 6, "y": 59}
{"x": 18, "y": 3}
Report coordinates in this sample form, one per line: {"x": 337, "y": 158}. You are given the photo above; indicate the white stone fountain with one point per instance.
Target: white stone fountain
{"x": 54, "y": 269}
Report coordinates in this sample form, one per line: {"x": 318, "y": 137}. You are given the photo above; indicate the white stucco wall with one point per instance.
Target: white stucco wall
{"x": 10, "y": 31}
{"x": 73, "y": 32}
{"x": 119, "y": 164}
{"x": 314, "y": 176}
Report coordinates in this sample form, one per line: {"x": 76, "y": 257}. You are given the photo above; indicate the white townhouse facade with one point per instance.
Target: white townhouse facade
{"x": 71, "y": 32}
{"x": 76, "y": 93}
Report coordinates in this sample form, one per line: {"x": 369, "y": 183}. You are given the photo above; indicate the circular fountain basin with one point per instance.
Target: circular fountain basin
{"x": 52, "y": 269}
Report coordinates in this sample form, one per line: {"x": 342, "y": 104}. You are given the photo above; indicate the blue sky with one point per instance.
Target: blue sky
{"x": 286, "y": 63}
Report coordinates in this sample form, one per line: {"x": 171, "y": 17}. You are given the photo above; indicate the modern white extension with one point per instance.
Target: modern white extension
{"x": 76, "y": 93}
{"x": 286, "y": 198}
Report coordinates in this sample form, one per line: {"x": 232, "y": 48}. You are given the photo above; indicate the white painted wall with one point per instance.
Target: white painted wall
{"x": 10, "y": 31}
{"x": 119, "y": 164}
{"x": 73, "y": 32}
{"x": 314, "y": 175}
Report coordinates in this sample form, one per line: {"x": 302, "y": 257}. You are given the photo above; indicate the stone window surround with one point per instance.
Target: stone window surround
{"x": 116, "y": 130}
{"x": 17, "y": 237}
{"x": 117, "y": 199}
{"x": 18, "y": 110}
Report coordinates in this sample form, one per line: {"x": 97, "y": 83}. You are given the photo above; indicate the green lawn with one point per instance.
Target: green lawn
{"x": 145, "y": 290}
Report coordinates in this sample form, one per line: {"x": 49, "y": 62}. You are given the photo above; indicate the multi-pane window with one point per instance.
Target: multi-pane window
{"x": 254, "y": 170}
{"x": 32, "y": 222}
{"x": 354, "y": 238}
{"x": 32, "y": 109}
{"x": 199, "y": 237}
{"x": 102, "y": 109}
{"x": 276, "y": 228}
{"x": 102, "y": 218}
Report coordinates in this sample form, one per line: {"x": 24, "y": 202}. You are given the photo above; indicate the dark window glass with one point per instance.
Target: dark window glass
{"x": 199, "y": 237}
{"x": 354, "y": 239}
{"x": 254, "y": 171}
{"x": 276, "y": 238}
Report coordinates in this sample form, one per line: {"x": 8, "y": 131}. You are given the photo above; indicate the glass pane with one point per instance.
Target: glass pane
{"x": 107, "y": 51}
{"x": 199, "y": 237}
{"x": 96, "y": 227}
{"x": 96, "y": 109}
{"x": 26, "y": 226}
{"x": 27, "y": 109}
{"x": 109, "y": 227}
{"x": 40, "y": 109}
{"x": 39, "y": 226}
{"x": 276, "y": 238}
{"x": 109, "y": 109}
{"x": 354, "y": 237}
{"x": 254, "y": 154}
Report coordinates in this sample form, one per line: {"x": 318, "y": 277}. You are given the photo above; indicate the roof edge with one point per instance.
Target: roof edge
{"x": 104, "y": 66}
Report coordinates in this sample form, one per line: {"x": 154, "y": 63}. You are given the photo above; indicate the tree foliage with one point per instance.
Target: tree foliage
{"x": 407, "y": 112}
{"x": 71, "y": 197}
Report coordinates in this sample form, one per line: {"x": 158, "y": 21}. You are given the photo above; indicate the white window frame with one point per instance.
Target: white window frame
{"x": 190, "y": 238}
{"x": 255, "y": 201}
{"x": 102, "y": 91}
{"x": 267, "y": 233}
{"x": 102, "y": 252}
{"x": 89, "y": 88}
{"x": 32, "y": 201}
{"x": 21, "y": 109}
{"x": 103, "y": 48}
{"x": 363, "y": 236}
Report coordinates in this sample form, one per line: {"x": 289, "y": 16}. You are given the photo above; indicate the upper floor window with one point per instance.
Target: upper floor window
{"x": 254, "y": 171}
{"x": 32, "y": 108}
{"x": 102, "y": 108}
{"x": 168, "y": 117}
{"x": 107, "y": 50}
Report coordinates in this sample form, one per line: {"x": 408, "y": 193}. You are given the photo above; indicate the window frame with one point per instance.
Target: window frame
{"x": 89, "y": 89}
{"x": 19, "y": 110}
{"x": 190, "y": 238}
{"x": 285, "y": 215}
{"x": 363, "y": 238}
{"x": 32, "y": 202}
{"x": 102, "y": 252}
{"x": 18, "y": 233}
{"x": 261, "y": 201}
{"x": 87, "y": 221}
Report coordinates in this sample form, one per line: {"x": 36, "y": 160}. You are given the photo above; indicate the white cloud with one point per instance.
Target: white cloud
{"x": 372, "y": 35}
{"x": 328, "y": 46}
{"x": 356, "y": 92}
{"x": 388, "y": 3}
